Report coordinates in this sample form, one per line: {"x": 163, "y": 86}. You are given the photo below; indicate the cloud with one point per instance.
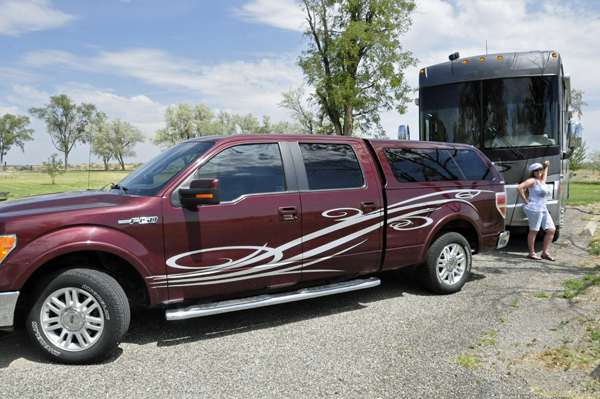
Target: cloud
{"x": 283, "y": 14}
{"x": 243, "y": 86}
{"x": 22, "y": 16}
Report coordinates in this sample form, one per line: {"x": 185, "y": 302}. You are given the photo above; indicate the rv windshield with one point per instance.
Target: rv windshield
{"x": 510, "y": 112}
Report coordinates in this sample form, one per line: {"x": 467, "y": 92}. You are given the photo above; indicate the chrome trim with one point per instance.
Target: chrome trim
{"x": 503, "y": 238}
{"x": 8, "y": 303}
{"x": 267, "y": 300}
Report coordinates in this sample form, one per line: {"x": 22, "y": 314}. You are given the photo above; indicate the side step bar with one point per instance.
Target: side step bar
{"x": 267, "y": 300}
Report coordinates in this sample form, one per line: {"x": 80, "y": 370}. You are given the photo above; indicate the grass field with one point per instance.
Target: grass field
{"x": 584, "y": 193}
{"x": 24, "y": 184}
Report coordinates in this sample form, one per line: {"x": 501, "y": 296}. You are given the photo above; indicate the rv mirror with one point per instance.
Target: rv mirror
{"x": 574, "y": 134}
{"x": 403, "y": 132}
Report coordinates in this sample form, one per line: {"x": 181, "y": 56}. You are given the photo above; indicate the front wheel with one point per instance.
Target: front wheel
{"x": 79, "y": 316}
{"x": 448, "y": 264}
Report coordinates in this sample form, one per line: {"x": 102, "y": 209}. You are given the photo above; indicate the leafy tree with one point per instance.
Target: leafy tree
{"x": 65, "y": 122}
{"x": 355, "y": 60}
{"x": 595, "y": 160}
{"x": 100, "y": 135}
{"x": 123, "y": 137}
{"x": 577, "y": 160}
{"x": 577, "y": 102}
{"x": 185, "y": 122}
{"x": 13, "y": 131}
{"x": 53, "y": 167}
{"x": 312, "y": 119}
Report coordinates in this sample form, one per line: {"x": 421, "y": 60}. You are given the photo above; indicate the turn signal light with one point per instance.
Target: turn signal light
{"x": 500, "y": 58}
{"x": 554, "y": 55}
{"x": 481, "y": 59}
{"x": 204, "y": 195}
{"x": 422, "y": 70}
{"x": 7, "y": 244}
{"x": 464, "y": 61}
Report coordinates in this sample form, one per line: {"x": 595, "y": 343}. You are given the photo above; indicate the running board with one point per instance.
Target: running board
{"x": 267, "y": 300}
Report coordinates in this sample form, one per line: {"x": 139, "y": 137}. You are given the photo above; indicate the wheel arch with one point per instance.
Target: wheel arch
{"x": 461, "y": 223}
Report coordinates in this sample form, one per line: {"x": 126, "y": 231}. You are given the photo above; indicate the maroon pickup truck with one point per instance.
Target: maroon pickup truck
{"x": 225, "y": 223}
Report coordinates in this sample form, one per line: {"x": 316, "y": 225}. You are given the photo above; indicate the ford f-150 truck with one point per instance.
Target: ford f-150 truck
{"x": 225, "y": 223}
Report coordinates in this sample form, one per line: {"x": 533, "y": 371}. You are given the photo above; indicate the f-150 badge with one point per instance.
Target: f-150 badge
{"x": 140, "y": 220}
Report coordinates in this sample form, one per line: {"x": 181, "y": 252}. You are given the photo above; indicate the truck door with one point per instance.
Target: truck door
{"x": 341, "y": 209}
{"x": 251, "y": 240}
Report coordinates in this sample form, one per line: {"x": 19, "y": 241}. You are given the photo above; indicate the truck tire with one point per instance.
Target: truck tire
{"x": 79, "y": 316}
{"x": 448, "y": 264}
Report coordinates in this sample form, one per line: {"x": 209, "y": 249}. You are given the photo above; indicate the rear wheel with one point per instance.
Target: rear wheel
{"x": 448, "y": 264}
{"x": 79, "y": 316}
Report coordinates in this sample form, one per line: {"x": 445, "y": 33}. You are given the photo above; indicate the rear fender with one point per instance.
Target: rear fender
{"x": 447, "y": 214}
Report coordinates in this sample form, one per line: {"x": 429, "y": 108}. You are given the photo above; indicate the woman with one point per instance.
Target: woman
{"x": 536, "y": 210}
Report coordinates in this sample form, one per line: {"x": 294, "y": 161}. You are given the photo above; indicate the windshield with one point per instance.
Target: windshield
{"x": 497, "y": 113}
{"x": 151, "y": 177}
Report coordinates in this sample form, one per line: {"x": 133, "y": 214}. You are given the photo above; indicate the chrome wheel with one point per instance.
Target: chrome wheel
{"x": 72, "y": 319}
{"x": 451, "y": 264}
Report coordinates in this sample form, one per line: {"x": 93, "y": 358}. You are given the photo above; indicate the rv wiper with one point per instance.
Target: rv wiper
{"x": 508, "y": 144}
{"x": 117, "y": 186}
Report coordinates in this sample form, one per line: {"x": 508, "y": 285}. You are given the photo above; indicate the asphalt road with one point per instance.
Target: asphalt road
{"x": 396, "y": 340}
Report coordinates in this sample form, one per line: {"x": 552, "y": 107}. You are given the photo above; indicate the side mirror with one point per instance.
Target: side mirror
{"x": 574, "y": 134}
{"x": 201, "y": 192}
{"x": 403, "y": 132}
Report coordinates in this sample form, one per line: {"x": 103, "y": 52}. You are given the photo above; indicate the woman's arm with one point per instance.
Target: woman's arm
{"x": 545, "y": 173}
{"x": 521, "y": 188}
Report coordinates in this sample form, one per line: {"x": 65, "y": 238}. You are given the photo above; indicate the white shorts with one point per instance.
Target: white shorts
{"x": 539, "y": 219}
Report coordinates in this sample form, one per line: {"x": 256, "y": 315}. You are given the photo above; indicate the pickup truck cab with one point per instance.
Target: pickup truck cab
{"x": 225, "y": 223}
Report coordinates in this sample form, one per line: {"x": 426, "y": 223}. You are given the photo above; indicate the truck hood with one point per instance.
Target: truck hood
{"x": 59, "y": 202}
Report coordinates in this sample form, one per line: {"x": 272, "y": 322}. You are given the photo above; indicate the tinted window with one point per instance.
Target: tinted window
{"x": 472, "y": 166}
{"x": 246, "y": 169}
{"x": 331, "y": 166}
{"x": 422, "y": 165}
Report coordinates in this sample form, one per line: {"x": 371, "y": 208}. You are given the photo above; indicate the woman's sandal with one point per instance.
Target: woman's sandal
{"x": 548, "y": 257}
{"x": 533, "y": 256}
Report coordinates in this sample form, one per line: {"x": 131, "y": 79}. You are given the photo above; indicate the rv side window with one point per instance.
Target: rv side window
{"x": 331, "y": 166}
{"x": 471, "y": 164}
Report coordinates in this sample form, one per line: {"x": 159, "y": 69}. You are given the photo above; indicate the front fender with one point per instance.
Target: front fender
{"x": 147, "y": 260}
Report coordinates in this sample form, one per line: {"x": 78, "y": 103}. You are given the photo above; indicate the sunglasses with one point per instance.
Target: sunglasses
{"x": 539, "y": 170}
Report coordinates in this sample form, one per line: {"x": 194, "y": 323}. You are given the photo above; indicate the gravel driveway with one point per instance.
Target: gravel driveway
{"x": 395, "y": 340}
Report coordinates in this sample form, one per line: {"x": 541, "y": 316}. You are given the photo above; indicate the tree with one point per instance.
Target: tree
{"x": 595, "y": 160}
{"x": 13, "y": 131}
{"x": 577, "y": 102}
{"x": 53, "y": 167}
{"x": 123, "y": 137}
{"x": 312, "y": 119}
{"x": 100, "y": 135}
{"x": 65, "y": 122}
{"x": 577, "y": 160}
{"x": 355, "y": 61}
{"x": 185, "y": 122}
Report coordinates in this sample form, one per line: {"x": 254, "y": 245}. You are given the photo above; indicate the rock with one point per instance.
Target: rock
{"x": 596, "y": 374}
{"x": 589, "y": 229}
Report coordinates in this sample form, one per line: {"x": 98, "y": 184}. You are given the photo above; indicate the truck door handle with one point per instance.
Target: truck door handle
{"x": 368, "y": 206}
{"x": 288, "y": 213}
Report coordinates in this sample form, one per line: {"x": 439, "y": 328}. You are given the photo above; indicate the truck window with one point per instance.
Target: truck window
{"x": 411, "y": 165}
{"x": 246, "y": 169}
{"x": 472, "y": 166}
{"x": 331, "y": 166}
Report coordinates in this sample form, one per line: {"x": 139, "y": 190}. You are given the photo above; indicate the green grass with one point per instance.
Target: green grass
{"x": 584, "y": 193}
{"x": 23, "y": 184}
{"x": 468, "y": 360}
{"x": 540, "y": 294}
